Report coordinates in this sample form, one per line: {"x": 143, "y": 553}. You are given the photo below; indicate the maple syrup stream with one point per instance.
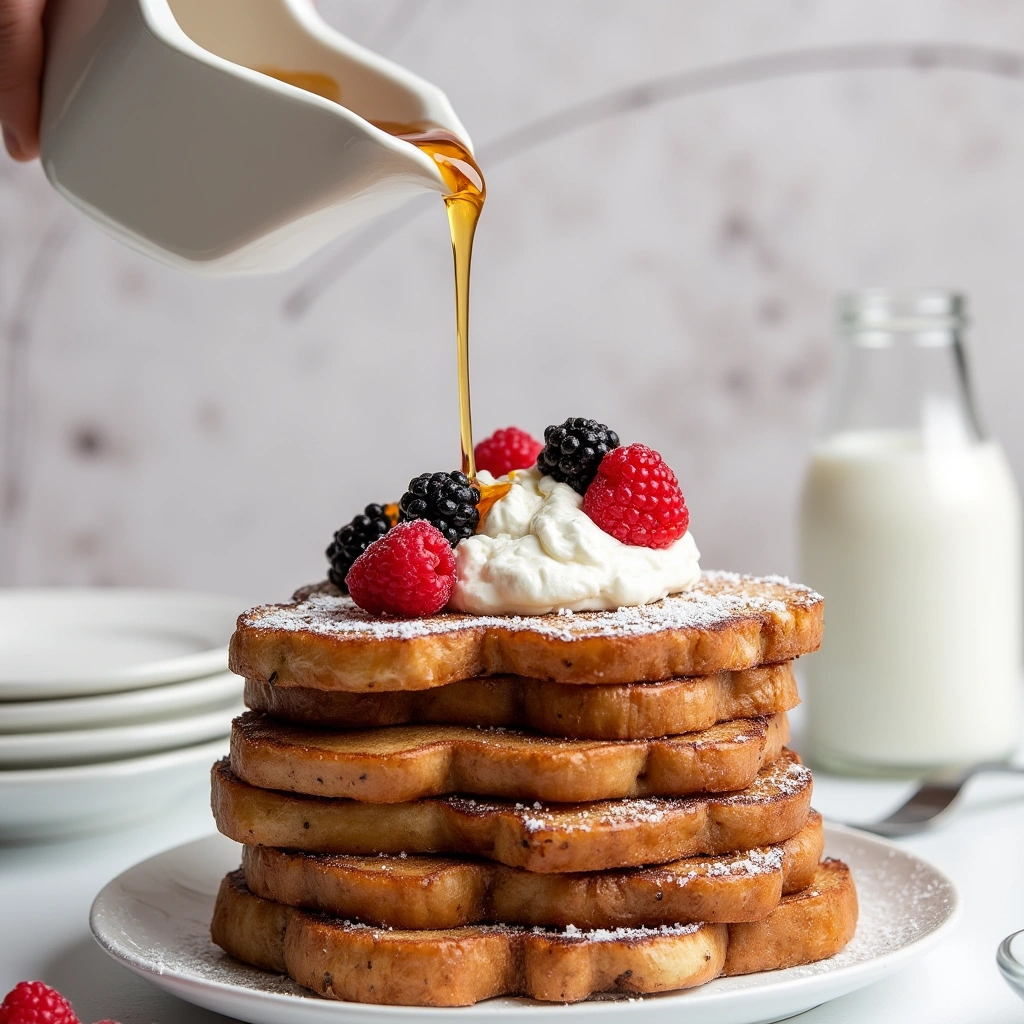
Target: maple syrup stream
{"x": 461, "y": 174}
{"x": 467, "y": 193}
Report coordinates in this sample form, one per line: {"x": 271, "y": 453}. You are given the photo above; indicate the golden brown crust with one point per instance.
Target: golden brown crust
{"x": 726, "y": 623}
{"x": 408, "y": 762}
{"x": 454, "y": 967}
{"x": 808, "y": 925}
{"x": 548, "y": 838}
{"x": 457, "y": 967}
{"x": 433, "y": 892}
{"x": 250, "y": 928}
{"x": 623, "y": 711}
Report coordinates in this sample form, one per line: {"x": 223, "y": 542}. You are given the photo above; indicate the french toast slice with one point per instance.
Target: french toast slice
{"x": 434, "y": 892}
{"x": 623, "y": 711}
{"x": 407, "y": 762}
{"x": 536, "y": 837}
{"x": 808, "y": 925}
{"x": 726, "y": 623}
{"x": 460, "y": 966}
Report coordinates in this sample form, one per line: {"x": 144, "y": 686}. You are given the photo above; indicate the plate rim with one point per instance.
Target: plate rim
{"x": 177, "y": 732}
{"x": 128, "y": 706}
{"x": 179, "y": 668}
{"x": 108, "y": 770}
{"x": 186, "y": 985}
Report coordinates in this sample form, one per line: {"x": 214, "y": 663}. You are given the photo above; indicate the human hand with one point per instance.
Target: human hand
{"x": 21, "y": 66}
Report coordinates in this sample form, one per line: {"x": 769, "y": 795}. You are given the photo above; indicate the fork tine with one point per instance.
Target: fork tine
{"x": 933, "y": 799}
{"x": 920, "y": 811}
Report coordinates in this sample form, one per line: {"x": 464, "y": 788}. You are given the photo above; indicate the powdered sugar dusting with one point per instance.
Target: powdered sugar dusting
{"x": 583, "y": 817}
{"x": 718, "y": 598}
{"x": 784, "y": 777}
{"x": 570, "y": 933}
{"x": 580, "y": 817}
{"x": 573, "y": 934}
{"x": 758, "y": 861}
{"x": 754, "y": 862}
{"x": 620, "y": 812}
{"x": 761, "y": 861}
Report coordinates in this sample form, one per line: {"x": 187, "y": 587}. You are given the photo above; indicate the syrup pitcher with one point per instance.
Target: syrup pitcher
{"x": 228, "y": 136}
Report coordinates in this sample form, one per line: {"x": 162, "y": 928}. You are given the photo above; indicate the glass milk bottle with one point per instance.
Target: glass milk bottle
{"x": 911, "y": 529}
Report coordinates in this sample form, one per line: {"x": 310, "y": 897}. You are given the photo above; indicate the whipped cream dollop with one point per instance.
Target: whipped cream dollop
{"x": 539, "y": 552}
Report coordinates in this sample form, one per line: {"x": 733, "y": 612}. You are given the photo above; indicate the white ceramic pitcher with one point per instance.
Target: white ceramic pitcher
{"x": 156, "y": 124}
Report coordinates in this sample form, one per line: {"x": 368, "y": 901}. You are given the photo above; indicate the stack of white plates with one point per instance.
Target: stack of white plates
{"x": 113, "y": 703}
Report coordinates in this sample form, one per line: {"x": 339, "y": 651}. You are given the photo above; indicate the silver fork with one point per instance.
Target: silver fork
{"x": 933, "y": 800}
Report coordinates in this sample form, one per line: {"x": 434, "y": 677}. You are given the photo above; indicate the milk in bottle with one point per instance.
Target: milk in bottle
{"x": 911, "y": 528}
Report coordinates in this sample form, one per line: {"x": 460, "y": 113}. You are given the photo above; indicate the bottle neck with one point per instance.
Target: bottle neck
{"x": 904, "y": 381}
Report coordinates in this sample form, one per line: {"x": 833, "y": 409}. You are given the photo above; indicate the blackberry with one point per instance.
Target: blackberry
{"x": 574, "y": 449}
{"x": 447, "y": 500}
{"x": 354, "y": 538}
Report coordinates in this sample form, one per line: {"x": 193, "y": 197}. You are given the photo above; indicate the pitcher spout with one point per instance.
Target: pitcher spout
{"x": 227, "y": 136}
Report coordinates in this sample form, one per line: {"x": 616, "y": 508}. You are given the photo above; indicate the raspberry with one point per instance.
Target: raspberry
{"x": 506, "y": 450}
{"x": 355, "y": 537}
{"x": 574, "y": 449}
{"x": 636, "y": 498}
{"x": 410, "y": 571}
{"x": 32, "y": 1002}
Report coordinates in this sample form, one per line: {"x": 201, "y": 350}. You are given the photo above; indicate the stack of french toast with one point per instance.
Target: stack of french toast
{"x": 442, "y": 810}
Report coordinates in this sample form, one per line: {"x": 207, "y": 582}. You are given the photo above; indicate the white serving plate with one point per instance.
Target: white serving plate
{"x": 52, "y": 803}
{"x": 70, "y": 642}
{"x": 107, "y": 709}
{"x": 155, "y": 919}
{"x": 85, "y": 746}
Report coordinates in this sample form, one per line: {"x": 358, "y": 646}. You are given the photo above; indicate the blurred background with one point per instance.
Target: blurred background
{"x": 676, "y": 192}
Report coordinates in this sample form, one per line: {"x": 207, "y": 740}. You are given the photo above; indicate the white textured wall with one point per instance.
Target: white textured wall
{"x": 669, "y": 269}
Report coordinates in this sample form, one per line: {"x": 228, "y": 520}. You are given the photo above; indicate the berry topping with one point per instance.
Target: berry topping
{"x": 506, "y": 450}
{"x": 446, "y": 500}
{"x": 573, "y": 451}
{"x": 636, "y": 498}
{"x": 32, "y": 1002}
{"x": 354, "y": 538}
{"x": 410, "y": 572}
